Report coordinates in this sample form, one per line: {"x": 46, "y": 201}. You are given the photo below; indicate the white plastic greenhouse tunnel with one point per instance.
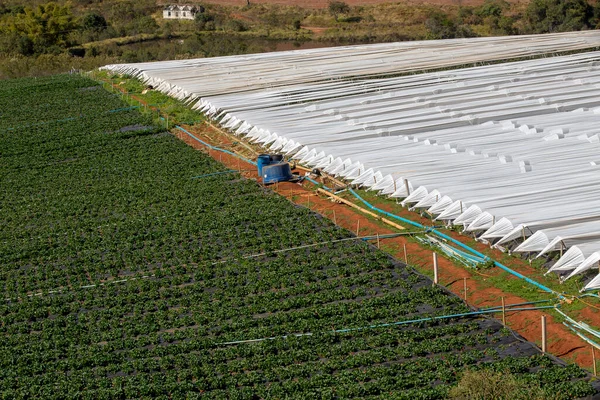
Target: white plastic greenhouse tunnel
{"x": 509, "y": 151}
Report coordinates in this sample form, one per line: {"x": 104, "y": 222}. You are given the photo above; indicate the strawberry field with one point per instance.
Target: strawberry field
{"x": 123, "y": 277}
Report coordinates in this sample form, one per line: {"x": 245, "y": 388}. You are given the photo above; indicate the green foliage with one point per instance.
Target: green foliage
{"x": 544, "y": 16}
{"x": 338, "y": 7}
{"x": 204, "y": 22}
{"x": 492, "y": 8}
{"x": 236, "y": 25}
{"x": 486, "y": 384}
{"x": 93, "y": 22}
{"x": 42, "y": 28}
{"x": 441, "y": 26}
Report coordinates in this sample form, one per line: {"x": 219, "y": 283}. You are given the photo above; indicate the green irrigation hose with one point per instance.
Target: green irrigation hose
{"x": 386, "y": 325}
{"x": 210, "y": 146}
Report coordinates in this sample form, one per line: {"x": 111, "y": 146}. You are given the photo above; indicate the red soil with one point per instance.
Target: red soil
{"x": 325, "y": 3}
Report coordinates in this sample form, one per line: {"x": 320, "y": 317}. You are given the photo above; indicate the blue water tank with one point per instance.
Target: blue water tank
{"x": 261, "y": 162}
{"x": 279, "y": 172}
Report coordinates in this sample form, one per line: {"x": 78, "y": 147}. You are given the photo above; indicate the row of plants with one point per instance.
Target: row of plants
{"x": 122, "y": 277}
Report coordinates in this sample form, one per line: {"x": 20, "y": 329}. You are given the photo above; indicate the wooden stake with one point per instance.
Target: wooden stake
{"x": 395, "y": 185}
{"x": 465, "y": 287}
{"x": 503, "y": 312}
{"x": 435, "y": 269}
{"x": 594, "y": 361}
{"x": 543, "y": 333}
{"x": 334, "y": 218}
{"x": 407, "y": 187}
{"x": 461, "y": 208}
{"x": 364, "y": 211}
{"x": 378, "y": 241}
{"x": 357, "y": 226}
{"x": 405, "y": 255}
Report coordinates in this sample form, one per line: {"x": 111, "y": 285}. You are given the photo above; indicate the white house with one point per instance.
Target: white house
{"x": 179, "y": 12}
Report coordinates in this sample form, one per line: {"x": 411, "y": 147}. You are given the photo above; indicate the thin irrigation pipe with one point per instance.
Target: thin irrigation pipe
{"x": 376, "y": 326}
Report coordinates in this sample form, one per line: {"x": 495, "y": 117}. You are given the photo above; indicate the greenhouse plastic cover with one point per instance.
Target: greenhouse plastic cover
{"x": 505, "y": 150}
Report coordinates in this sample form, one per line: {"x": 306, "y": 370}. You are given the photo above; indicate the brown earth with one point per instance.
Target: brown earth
{"x": 325, "y": 3}
{"x": 561, "y": 342}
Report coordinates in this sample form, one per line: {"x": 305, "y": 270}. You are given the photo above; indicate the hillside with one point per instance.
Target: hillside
{"x": 39, "y": 38}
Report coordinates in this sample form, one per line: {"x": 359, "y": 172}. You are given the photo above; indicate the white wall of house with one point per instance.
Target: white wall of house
{"x": 179, "y": 12}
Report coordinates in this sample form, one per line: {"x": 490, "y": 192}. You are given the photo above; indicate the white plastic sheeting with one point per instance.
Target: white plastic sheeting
{"x": 506, "y": 150}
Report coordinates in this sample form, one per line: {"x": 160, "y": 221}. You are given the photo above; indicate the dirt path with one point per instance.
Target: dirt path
{"x": 325, "y": 3}
{"x": 561, "y": 342}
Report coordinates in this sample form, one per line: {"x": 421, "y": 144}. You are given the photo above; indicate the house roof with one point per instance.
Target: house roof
{"x": 175, "y": 7}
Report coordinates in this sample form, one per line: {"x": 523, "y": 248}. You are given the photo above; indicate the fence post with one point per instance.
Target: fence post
{"x": 543, "y": 333}
{"x": 594, "y": 361}
{"x": 435, "y": 269}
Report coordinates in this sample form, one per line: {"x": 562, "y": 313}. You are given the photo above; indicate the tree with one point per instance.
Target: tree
{"x": 439, "y": 26}
{"x": 202, "y": 19}
{"x": 338, "y": 7}
{"x": 44, "y": 26}
{"x": 93, "y": 22}
{"x": 544, "y": 16}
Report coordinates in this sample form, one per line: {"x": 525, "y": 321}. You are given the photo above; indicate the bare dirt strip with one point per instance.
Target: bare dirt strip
{"x": 325, "y": 3}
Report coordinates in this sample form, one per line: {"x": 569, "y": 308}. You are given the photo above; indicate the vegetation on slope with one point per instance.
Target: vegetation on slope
{"x": 38, "y": 37}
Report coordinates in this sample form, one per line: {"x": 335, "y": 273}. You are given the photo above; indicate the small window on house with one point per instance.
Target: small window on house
{"x": 169, "y": 13}
{"x": 176, "y": 13}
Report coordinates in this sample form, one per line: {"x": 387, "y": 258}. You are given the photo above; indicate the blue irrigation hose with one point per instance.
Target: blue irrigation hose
{"x": 456, "y": 242}
{"x": 210, "y": 146}
{"x": 582, "y": 336}
{"x": 317, "y": 183}
{"x": 590, "y": 295}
